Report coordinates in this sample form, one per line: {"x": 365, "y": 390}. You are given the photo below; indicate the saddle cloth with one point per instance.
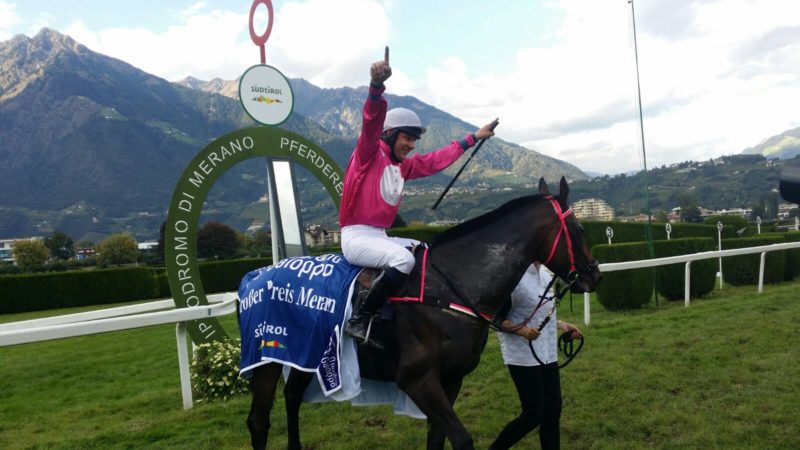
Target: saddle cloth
{"x": 293, "y": 313}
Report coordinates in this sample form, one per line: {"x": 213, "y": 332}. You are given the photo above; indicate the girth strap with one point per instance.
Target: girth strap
{"x": 468, "y": 310}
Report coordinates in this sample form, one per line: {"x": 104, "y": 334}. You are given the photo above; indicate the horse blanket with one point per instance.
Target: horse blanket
{"x": 293, "y": 313}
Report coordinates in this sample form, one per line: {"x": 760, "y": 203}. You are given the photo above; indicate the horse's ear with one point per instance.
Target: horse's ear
{"x": 563, "y": 191}
{"x": 543, "y": 189}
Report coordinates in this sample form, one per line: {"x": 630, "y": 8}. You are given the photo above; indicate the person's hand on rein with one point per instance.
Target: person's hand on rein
{"x": 570, "y": 328}
{"x": 380, "y": 71}
{"x": 528, "y": 333}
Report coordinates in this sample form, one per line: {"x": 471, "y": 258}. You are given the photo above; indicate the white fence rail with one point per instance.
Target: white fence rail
{"x": 123, "y": 318}
{"x": 163, "y": 311}
{"x": 763, "y": 249}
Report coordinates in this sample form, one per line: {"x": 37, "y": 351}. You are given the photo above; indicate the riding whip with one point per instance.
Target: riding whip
{"x": 450, "y": 184}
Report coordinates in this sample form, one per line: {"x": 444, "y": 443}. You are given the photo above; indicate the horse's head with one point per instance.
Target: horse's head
{"x": 568, "y": 253}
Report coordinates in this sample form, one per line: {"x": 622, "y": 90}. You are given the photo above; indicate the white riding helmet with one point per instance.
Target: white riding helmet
{"x": 405, "y": 120}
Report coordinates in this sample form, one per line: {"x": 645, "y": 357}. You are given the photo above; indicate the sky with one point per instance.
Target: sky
{"x": 716, "y": 76}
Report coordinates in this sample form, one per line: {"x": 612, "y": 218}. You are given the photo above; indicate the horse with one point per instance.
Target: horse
{"x": 472, "y": 268}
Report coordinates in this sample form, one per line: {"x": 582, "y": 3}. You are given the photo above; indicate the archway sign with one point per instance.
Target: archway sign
{"x": 180, "y": 236}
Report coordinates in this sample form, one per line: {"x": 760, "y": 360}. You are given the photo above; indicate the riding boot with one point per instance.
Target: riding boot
{"x": 385, "y": 284}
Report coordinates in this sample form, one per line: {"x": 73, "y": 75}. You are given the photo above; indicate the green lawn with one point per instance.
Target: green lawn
{"x": 722, "y": 373}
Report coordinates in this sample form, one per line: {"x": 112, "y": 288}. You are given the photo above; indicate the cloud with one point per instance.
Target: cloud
{"x": 8, "y": 18}
{"x": 311, "y": 37}
{"x": 316, "y": 37}
{"x": 716, "y": 77}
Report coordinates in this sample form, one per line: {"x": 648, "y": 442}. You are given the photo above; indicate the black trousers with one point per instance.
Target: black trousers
{"x": 539, "y": 390}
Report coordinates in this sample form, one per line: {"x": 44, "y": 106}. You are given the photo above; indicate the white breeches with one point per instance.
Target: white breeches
{"x": 369, "y": 246}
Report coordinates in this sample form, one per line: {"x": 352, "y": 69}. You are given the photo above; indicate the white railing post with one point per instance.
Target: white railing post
{"x": 687, "y": 284}
{"x": 719, "y": 240}
{"x": 183, "y": 365}
{"x": 587, "y": 316}
{"x": 761, "y": 272}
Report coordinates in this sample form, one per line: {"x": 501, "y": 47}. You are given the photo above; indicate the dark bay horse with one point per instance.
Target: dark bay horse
{"x": 430, "y": 349}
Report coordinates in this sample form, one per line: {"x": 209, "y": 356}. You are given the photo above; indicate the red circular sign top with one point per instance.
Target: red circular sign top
{"x": 260, "y": 40}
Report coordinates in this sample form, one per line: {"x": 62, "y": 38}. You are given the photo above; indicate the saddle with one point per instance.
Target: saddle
{"x": 411, "y": 289}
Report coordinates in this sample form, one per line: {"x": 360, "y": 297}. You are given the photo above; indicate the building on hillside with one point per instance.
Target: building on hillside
{"x": 82, "y": 253}
{"x": 148, "y": 247}
{"x": 7, "y": 248}
{"x": 317, "y": 235}
{"x": 593, "y": 209}
{"x": 741, "y": 212}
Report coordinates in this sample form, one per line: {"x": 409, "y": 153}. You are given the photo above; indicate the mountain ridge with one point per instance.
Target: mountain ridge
{"x": 91, "y": 144}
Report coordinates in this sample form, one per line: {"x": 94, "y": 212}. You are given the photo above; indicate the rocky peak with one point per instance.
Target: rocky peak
{"x": 23, "y": 59}
{"x": 228, "y": 88}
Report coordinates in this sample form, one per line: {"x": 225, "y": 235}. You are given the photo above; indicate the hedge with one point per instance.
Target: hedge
{"x": 671, "y": 278}
{"x": 791, "y": 268}
{"x": 635, "y": 231}
{"x": 52, "y": 290}
{"x": 225, "y": 276}
{"x": 625, "y": 289}
{"x": 41, "y": 291}
{"x": 743, "y": 269}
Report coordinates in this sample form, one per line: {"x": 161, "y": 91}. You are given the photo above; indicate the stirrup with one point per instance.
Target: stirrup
{"x": 366, "y": 340}
{"x": 375, "y": 343}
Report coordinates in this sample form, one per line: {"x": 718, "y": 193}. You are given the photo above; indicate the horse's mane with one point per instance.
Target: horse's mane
{"x": 493, "y": 216}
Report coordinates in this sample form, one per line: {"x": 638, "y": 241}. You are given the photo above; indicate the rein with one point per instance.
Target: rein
{"x": 565, "y": 341}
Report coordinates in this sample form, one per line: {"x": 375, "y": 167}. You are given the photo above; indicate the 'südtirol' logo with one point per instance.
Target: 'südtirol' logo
{"x": 266, "y": 94}
{"x": 267, "y": 100}
{"x": 273, "y": 343}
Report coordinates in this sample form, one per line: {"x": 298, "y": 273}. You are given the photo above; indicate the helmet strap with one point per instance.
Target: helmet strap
{"x": 390, "y": 137}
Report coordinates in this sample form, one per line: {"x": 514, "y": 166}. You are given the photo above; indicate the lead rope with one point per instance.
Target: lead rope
{"x": 566, "y": 340}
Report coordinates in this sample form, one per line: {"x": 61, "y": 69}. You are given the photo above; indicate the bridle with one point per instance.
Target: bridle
{"x": 572, "y": 277}
{"x": 565, "y": 341}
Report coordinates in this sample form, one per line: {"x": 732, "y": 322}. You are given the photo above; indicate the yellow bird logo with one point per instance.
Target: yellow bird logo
{"x": 267, "y": 100}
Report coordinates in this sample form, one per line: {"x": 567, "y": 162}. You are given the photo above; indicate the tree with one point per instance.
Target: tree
{"x": 261, "y": 244}
{"x": 30, "y": 255}
{"x": 691, "y": 214}
{"x": 757, "y": 211}
{"x": 689, "y": 210}
{"x": 661, "y": 216}
{"x": 84, "y": 244}
{"x": 161, "y": 234}
{"x": 60, "y": 245}
{"x": 117, "y": 249}
{"x": 772, "y": 206}
{"x": 216, "y": 240}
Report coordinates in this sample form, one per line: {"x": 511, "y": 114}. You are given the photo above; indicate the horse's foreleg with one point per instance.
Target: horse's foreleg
{"x": 293, "y": 394}
{"x": 436, "y": 436}
{"x": 263, "y": 383}
{"x": 434, "y": 400}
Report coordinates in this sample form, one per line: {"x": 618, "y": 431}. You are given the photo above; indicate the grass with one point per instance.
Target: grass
{"x": 722, "y": 373}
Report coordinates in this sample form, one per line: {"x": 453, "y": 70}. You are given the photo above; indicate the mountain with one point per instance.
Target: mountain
{"x": 727, "y": 182}
{"x": 228, "y": 88}
{"x": 338, "y": 111}
{"x": 92, "y": 145}
{"x": 90, "y": 142}
{"x": 783, "y": 146}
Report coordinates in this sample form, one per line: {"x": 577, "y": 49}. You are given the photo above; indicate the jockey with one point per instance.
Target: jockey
{"x": 373, "y": 189}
